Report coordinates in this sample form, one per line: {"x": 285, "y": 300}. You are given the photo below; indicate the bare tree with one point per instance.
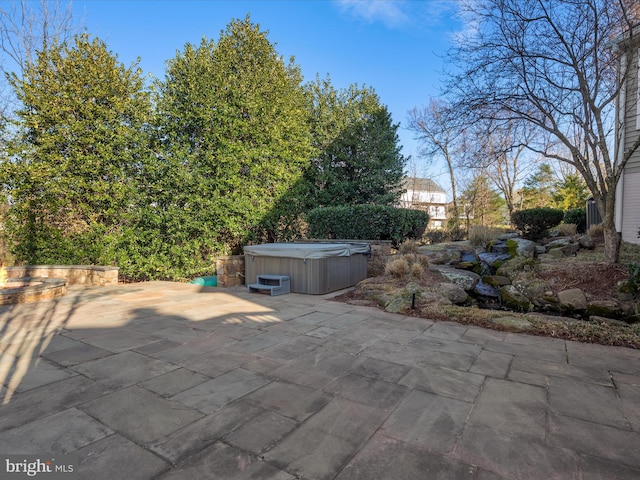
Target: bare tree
{"x": 501, "y": 153}
{"x": 25, "y": 28}
{"x": 550, "y": 63}
{"x": 440, "y": 136}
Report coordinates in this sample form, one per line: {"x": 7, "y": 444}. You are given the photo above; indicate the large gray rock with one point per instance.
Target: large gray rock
{"x": 466, "y": 280}
{"x": 486, "y": 290}
{"x": 469, "y": 256}
{"x": 434, "y": 298}
{"x": 496, "y": 280}
{"x": 512, "y": 267}
{"x": 513, "y": 299}
{"x": 398, "y": 305}
{"x": 453, "y": 292}
{"x": 556, "y": 253}
{"x": 507, "y": 236}
{"x": 605, "y": 308}
{"x": 558, "y": 243}
{"x": 586, "y": 241}
{"x": 530, "y": 285}
{"x": 570, "y": 249}
{"x": 573, "y": 299}
{"x": 525, "y": 248}
{"x": 494, "y": 259}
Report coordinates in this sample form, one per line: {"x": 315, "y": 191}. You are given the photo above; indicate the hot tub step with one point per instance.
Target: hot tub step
{"x": 275, "y": 284}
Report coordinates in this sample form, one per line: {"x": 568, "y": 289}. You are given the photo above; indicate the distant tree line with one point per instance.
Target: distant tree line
{"x": 229, "y": 148}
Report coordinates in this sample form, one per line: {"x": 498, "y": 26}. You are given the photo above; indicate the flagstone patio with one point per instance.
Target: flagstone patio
{"x": 165, "y": 380}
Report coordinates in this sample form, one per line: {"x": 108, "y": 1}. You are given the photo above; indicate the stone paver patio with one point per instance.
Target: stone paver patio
{"x": 167, "y": 381}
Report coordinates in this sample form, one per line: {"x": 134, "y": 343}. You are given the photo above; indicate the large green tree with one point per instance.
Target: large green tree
{"x": 570, "y": 192}
{"x": 78, "y": 145}
{"x": 233, "y": 139}
{"x": 537, "y": 190}
{"x": 358, "y": 159}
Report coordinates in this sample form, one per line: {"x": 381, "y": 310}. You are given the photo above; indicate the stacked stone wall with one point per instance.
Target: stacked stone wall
{"x": 230, "y": 270}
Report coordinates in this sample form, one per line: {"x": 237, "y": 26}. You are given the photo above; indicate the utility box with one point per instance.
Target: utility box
{"x": 593, "y": 215}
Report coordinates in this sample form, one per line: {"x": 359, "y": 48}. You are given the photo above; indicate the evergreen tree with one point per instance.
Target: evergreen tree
{"x": 77, "y": 150}
{"x": 538, "y": 188}
{"x": 233, "y": 140}
{"x": 571, "y": 192}
{"x": 358, "y": 156}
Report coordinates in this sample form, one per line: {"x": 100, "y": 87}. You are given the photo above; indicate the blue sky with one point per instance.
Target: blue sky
{"x": 394, "y": 46}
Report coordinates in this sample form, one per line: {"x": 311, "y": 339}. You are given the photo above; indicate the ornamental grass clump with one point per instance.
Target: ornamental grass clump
{"x": 417, "y": 270}
{"x": 397, "y": 267}
{"x": 408, "y": 246}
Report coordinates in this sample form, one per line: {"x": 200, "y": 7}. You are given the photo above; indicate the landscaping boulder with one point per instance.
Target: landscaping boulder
{"x": 586, "y": 241}
{"x": 496, "y": 280}
{"x": 494, "y": 260}
{"x": 530, "y": 285}
{"x": 556, "y": 253}
{"x": 558, "y": 243}
{"x": 469, "y": 256}
{"x": 570, "y": 250}
{"x": 466, "y": 280}
{"x": 434, "y": 298}
{"x": 453, "y": 292}
{"x": 513, "y": 299}
{"x": 485, "y": 290}
{"x": 608, "y": 321}
{"x": 510, "y": 268}
{"x": 604, "y": 308}
{"x": 572, "y": 300}
{"x": 522, "y": 247}
{"x": 507, "y": 236}
{"x": 398, "y": 305}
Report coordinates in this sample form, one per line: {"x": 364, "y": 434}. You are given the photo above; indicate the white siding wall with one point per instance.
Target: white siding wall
{"x": 420, "y": 196}
{"x": 631, "y": 207}
{"x": 632, "y": 113}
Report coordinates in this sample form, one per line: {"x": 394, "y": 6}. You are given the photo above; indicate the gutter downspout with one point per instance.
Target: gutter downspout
{"x": 620, "y": 123}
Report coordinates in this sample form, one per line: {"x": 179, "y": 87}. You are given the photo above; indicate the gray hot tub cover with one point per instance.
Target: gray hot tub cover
{"x": 306, "y": 250}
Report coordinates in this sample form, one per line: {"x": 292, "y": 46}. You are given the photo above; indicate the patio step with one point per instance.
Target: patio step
{"x": 274, "y": 284}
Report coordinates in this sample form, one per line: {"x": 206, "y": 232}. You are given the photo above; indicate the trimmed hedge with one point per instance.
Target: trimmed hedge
{"x": 577, "y": 216}
{"x": 367, "y": 222}
{"x": 534, "y": 222}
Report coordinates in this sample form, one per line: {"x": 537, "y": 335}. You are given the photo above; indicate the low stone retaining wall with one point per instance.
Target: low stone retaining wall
{"x": 90, "y": 275}
{"x": 230, "y": 270}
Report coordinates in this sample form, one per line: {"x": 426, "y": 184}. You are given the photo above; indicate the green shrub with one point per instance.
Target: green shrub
{"x": 367, "y": 222}
{"x": 633, "y": 269}
{"x": 534, "y": 222}
{"x": 578, "y": 216}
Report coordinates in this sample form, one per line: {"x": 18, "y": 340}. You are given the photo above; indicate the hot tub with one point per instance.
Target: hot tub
{"x": 314, "y": 268}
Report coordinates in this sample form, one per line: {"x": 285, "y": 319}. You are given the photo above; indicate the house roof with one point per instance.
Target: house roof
{"x": 422, "y": 184}
{"x": 628, "y": 35}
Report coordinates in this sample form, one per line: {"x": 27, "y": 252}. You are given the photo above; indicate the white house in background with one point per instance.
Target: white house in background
{"x": 425, "y": 194}
{"x": 628, "y": 131}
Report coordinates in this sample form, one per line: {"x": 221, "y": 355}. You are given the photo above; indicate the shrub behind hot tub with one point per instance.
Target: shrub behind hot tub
{"x": 366, "y": 222}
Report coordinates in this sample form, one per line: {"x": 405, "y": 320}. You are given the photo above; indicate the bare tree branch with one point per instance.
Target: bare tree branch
{"x": 550, "y": 64}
